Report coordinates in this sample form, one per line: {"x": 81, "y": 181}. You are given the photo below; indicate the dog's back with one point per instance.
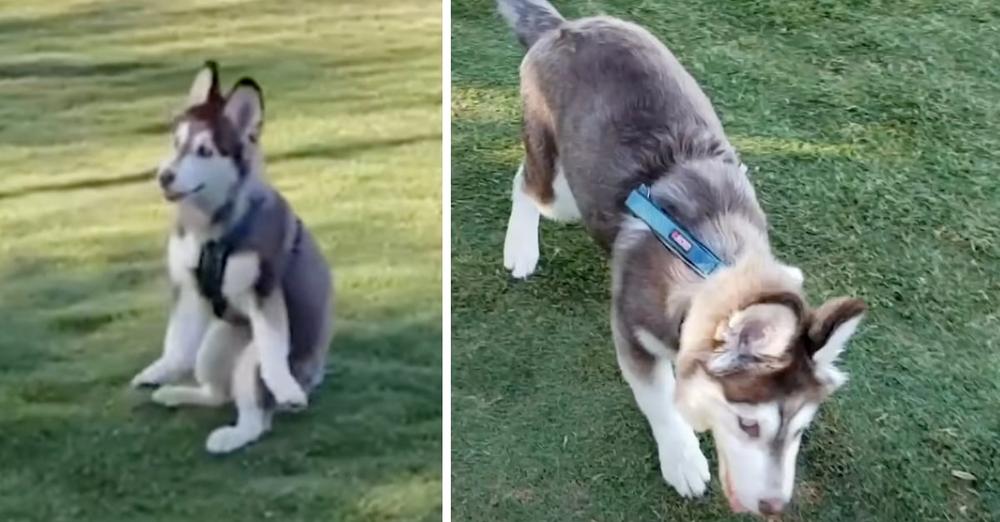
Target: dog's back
{"x": 618, "y": 107}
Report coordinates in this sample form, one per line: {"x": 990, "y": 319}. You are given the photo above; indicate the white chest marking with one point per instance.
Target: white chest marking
{"x": 182, "y": 258}
{"x": 242, "y": 271}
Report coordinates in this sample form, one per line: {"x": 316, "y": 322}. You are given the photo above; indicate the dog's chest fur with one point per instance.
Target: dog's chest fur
{"x": 278, "y": 254}
{"x": 183, "y": 250}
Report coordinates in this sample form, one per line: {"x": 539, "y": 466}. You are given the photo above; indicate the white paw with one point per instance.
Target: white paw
{"x": 154, "y": 375}
{"x": 684, "y": 467}
{"x": 290, "y": 396}
{"x": 169, "y": 396}
{"x": 520, "y": 252}
{"x": 229, "y": 438}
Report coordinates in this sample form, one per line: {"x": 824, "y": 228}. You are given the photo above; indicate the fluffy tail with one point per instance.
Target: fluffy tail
{"x": 530, "y": 19}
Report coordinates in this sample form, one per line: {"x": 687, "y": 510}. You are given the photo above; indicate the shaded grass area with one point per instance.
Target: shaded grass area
{"x": 353, "y": 138}
{"x": 871, "y": 130}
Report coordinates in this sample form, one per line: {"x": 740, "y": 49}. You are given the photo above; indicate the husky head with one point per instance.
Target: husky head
{"x": 214, "y": 143}
{"x": 755, "y": 364}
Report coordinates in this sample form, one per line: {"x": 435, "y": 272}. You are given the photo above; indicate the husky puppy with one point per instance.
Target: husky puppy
{"x": 606, "y": 109}
{"x": 253, "y": 296}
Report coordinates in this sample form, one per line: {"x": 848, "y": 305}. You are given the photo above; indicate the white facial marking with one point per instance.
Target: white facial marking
{"x": 765, "y": 416}
{"x": 760, "y": 467}
{"x": 202, "y": 174}
{"x": 181, "y": 134}
{"x": 790, "y": 451}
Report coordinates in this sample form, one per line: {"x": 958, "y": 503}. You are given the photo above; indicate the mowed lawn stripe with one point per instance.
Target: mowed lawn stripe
{"x": 352, "y": 132}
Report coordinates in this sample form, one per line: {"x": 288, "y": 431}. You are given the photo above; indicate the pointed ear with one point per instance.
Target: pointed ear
{"x": 832, "y": 326}
{"x": 205, "y": 85}
{"x": 245, "y": 108}
{"x": 754, "y": 340}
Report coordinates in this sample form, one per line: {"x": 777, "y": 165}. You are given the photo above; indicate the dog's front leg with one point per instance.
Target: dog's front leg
{"x": 645, "y": 364}
{"x": 188, "y": 321}
{"x": 269, "y": 324}
{"x": 269, "y": 321}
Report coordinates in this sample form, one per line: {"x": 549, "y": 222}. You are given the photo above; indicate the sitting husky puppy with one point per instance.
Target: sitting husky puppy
{"x": 613, "y": 126}
{"x": 253, "y": 297}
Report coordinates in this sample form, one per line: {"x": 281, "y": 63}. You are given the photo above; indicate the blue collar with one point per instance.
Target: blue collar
{"x": 675, "y": 237}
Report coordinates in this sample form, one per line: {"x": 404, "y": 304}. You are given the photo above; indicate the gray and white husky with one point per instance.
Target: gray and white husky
{"x": 253, "y": 295}
{"x": 607, "y": 108}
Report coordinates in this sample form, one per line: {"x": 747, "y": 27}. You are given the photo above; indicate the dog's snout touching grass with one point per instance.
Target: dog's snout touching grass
{"x": 871, "y": 138}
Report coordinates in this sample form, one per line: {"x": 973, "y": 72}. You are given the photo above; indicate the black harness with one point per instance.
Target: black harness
{"x": 213, "y": 258}
{"x": 215, "y": 254}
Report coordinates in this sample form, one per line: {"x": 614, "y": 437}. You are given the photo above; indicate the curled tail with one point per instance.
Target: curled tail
{"x": 530, "y": 19}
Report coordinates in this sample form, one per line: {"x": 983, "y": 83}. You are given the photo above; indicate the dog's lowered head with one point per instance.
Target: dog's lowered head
{"x": 754, "y": 365}
{"x": 214, "y": 144}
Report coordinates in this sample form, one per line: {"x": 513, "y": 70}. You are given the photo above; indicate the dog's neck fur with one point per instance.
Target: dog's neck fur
{"x": 212, "y": 223}
{"x": 716, "y": 200}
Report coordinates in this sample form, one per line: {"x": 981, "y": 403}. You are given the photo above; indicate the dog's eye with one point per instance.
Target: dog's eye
{"x": 751, "y": 428}
{"x": 204, "y": 152}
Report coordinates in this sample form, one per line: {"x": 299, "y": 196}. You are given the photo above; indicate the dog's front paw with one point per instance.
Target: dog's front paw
{"x": 154, "y": 375}
{"x": 290, "y": 397}
{"x": 685, "y": 468}
{"x": 228, "y": 439}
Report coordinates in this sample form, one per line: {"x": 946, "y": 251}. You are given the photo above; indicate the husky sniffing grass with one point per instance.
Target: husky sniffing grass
{"x": 253, "y": 297}
{"x": 614, "y": 125}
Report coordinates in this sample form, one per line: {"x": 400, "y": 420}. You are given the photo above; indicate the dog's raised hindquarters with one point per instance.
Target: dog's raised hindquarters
{"x": 735, "y": 350}
{"x": 253, "y": 295}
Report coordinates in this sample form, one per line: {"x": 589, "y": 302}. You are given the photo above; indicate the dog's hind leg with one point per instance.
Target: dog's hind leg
{"x": 534, "y": 192}
{"x": 213, "y": 368}
{"x": 682, "y": 463}
{"x": 520, "y": 247}
{"x": 253, "y": 418}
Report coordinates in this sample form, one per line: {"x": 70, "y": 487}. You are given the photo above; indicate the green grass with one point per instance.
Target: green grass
{"x": 872, "y": 131}
{"x": 353, "y": 138}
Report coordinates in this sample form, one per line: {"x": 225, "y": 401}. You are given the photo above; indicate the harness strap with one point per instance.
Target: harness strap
{"x": 211, "y": 268}
{"x": 214, "y": 256}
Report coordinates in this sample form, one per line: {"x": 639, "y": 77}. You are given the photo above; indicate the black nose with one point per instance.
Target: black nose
{"x": 771, "y": 507}
{"x": 166, "y": 178}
